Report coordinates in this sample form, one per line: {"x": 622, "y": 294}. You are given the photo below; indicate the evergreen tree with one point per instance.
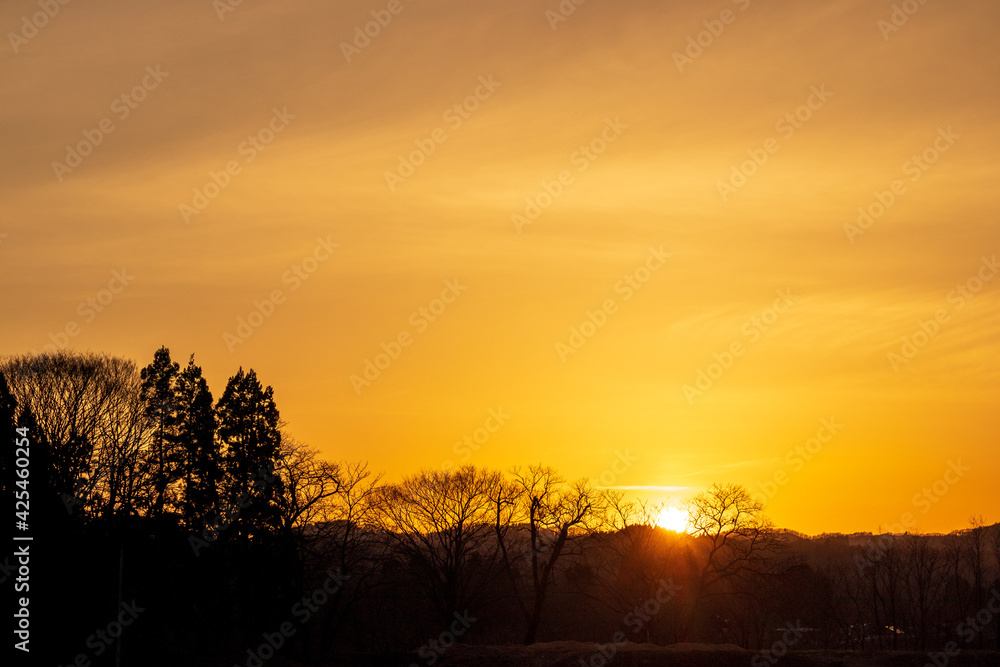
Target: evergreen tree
{"x": 159, "y": 395}
{"x": 196, "y": 435}
{"x": 249, "y": 429}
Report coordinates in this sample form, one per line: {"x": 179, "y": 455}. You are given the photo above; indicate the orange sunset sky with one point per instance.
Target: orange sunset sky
{"x": 308, "y": 117}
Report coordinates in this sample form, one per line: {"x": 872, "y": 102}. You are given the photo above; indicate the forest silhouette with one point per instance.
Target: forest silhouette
{"x": 212, "y": 536}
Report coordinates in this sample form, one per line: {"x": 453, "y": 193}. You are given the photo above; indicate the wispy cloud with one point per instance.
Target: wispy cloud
{"x": 649, "y": 487}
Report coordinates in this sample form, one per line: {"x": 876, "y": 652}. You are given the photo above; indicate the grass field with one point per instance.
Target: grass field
{"x": 575, "y": 654}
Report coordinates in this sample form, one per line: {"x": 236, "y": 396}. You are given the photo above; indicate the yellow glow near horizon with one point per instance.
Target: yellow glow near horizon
{"x": 673, "y": 518}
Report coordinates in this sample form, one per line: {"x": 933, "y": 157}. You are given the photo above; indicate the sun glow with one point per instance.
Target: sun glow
{"x": 673, "y": 518}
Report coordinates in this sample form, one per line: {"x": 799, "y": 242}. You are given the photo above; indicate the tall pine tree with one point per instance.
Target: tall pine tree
{"x": 201, "y": 464}
{"x": 249, "y": 430}
{"x": 159, "y": 395}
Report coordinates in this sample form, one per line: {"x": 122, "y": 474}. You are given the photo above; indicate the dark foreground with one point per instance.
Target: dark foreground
{"x": 575, "y": 654}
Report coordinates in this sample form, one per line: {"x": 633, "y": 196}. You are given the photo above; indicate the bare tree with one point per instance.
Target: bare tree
{"x": 443, "y": 522}
{"x": 552, "y": 511}
{"x": 925, "y": 587}
{"x": 330, "y": 508}
{"x": 310, "y": 484}
{"x": 123, "y": 473}
{"x": 88, "y": 410}
{"x": 735, "y": 536}
{"x": 954, "y": 551}
{"x": 887, "y": 580}
{"x": 996, "y": 553}
{"x": 974, "y": 549}
{"x": 846, "y": 604}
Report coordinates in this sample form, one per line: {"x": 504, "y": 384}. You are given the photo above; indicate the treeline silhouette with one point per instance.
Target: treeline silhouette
{"x": 235, "y": 542}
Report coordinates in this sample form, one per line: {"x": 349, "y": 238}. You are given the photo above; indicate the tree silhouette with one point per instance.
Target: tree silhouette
{"x": 118, "y": 456}
{"x": 158, "y": 393}
{"x": 442, "y": 522}
{"x": 736, "y": 536}
{"x": 552, "y": 509}
{"x": 77, "y": 400}
{"x": 310, "y": 486}
{"x": 200, "y": 458}
{"x": 249, "y": 430}
{"x": 637, "y": 554}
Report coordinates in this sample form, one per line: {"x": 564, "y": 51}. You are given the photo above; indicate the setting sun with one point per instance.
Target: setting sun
{"x": 673, "y": 518}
